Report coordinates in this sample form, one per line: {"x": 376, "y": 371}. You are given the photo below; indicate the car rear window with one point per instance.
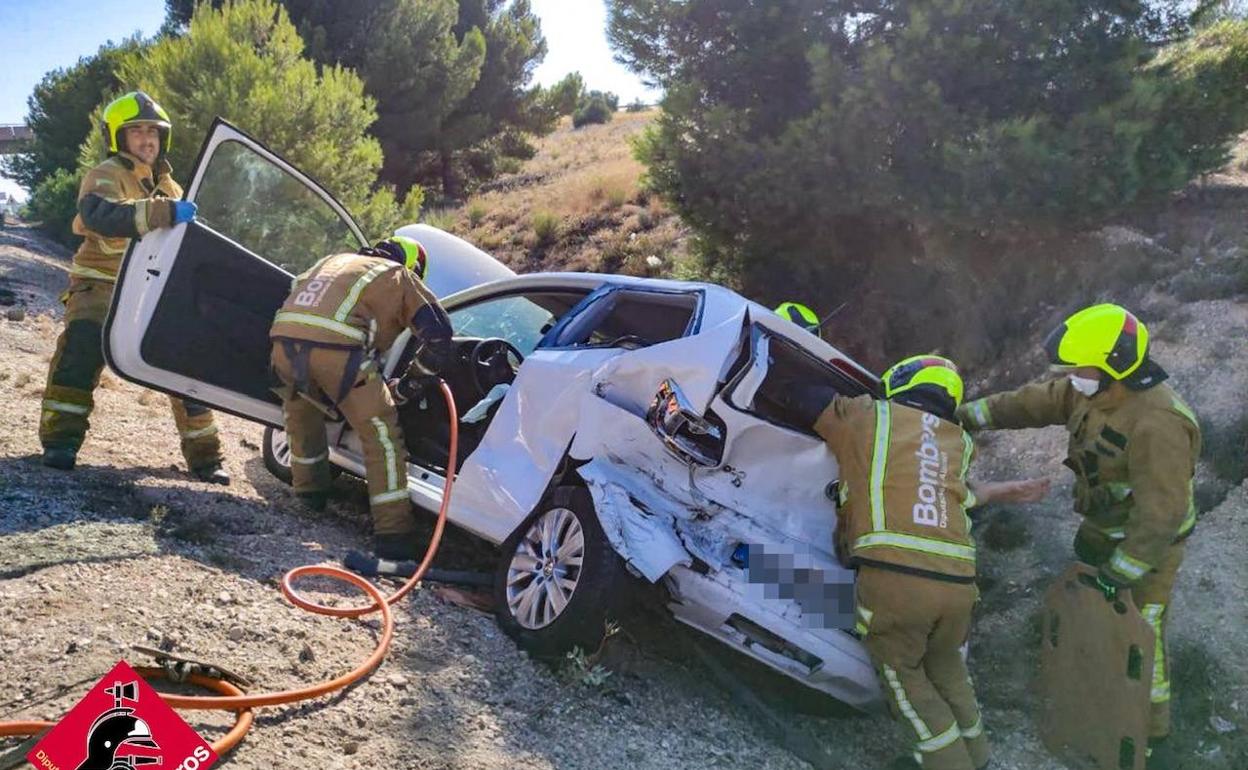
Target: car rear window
{"x": 789, "y": 363}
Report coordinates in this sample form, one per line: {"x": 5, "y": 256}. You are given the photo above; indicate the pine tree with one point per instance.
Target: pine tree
{"x": 803, "y": 138}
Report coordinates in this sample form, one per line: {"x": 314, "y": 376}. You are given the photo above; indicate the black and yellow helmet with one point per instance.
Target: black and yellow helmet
{"x": 936, "y": 374}
{"x": 134, "y": 109}
{"x": 800, "y": 315}
{"x": 1106, "y": 336}
{"x": 407, "y": 252}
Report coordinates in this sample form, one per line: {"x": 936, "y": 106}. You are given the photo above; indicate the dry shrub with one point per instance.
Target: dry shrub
{"x": 545, "y": 227}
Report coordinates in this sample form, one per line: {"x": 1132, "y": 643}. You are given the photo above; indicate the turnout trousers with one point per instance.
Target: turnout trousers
{"x": 74, "y": 374}
{"x": 914, "y": 628}
{"x": 369, "y": 408}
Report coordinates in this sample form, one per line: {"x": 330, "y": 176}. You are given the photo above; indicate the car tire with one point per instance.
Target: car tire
{"x": 277, "y": 454}
{"x": 527, "y": 607}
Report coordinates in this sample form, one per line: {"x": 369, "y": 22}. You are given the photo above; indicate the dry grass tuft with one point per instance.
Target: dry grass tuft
{"x": 574, "y": 206}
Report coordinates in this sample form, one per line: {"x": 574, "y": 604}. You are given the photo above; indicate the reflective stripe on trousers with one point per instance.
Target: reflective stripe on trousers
{"x": 1160, "y": 692}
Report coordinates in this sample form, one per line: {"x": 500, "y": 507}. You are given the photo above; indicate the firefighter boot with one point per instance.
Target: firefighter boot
{"x": 201, "y": 444}
{"x": 61, "y": 458}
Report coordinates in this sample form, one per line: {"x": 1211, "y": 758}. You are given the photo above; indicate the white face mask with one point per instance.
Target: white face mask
{"x": 1084, "y": 385}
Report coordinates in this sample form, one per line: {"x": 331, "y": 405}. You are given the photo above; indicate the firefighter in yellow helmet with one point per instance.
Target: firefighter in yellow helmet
{"x": 800, "y": 315}
{"x": 902, "y": 523}
{"x": 340, "y": 314}
{"x": 1133, "y": 448}
{"x": 128, "y": 195}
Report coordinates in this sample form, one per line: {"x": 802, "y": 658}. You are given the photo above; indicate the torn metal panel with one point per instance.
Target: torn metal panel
{"x": 504, "y": 478}
{"x": 828, "y": 660}
{"x": 698, "y": 363}
{"x": 643, "y": 500}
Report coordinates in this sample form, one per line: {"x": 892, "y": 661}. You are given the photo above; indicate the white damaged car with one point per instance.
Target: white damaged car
{"x": 611, "y": 427}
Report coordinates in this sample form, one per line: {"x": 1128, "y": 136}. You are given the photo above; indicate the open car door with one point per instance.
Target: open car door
{"x": 193, "y": 304}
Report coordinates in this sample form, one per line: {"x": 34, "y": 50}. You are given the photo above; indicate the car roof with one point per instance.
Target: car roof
{"x": 721, "y": 305}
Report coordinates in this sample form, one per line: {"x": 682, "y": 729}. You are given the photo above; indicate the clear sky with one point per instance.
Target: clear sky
{"x": 42, "y": 35}
{"x": 576, "y": 41}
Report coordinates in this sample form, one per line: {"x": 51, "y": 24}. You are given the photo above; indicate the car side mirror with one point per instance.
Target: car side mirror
{"x": 686, "y": 435}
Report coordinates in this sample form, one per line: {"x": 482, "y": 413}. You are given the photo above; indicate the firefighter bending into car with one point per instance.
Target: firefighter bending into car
{"x": 902, "y": 523}
{"x": 1133, "y": 448}
{"x": 340, "y": 313}
{"x": 128, "y": 195}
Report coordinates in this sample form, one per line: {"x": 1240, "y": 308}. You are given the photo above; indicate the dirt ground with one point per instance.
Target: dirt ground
{"x": 127, "y": 550}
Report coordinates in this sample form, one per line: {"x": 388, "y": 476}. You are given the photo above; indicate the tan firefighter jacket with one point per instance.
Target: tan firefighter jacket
{"x": 1133, "y": 453}
{"x": 903, "y": 487}
{"x": 118, "y": 200}
{"x": 354, "y": 299}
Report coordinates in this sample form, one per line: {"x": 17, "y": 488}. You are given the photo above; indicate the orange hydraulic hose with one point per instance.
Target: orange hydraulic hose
{"x": 234, "y": 699}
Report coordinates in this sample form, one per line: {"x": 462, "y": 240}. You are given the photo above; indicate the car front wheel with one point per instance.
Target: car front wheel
{"x": 559, "y": 580}
{"x": 277, "y": 454}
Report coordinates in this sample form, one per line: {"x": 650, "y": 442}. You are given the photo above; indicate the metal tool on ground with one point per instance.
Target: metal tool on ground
{"x": 231, "y": 698}
{"x": 179, "y": 667}
{"x": 1091, "y": 712}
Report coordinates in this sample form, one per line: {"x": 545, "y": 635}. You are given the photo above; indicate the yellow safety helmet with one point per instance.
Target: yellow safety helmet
{"x": 800, "y": 315}
{"x": 1106, "y": 336}
{"x": 407, "y": 252}
{"x": 134, "y": 109}
{"x": 915, "y": 371}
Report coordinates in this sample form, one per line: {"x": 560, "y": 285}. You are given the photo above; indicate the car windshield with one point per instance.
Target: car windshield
{"x": 521, "y": 319}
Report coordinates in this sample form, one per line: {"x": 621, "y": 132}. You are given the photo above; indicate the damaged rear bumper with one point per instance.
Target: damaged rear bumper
{"x": 828, "y": 660}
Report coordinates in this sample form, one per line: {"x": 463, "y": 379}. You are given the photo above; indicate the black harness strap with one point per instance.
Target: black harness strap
{"x": 298, "y": 352}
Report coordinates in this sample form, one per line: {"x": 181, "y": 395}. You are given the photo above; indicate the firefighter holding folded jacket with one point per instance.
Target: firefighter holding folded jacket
{"x": 902, "y": 523}
{"x": 1133, "y": 448}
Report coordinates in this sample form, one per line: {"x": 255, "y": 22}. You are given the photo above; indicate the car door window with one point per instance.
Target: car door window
{"x": 268, "y": 211}
{"x": 632, "y": 318}
{"x": 521, "y": 319}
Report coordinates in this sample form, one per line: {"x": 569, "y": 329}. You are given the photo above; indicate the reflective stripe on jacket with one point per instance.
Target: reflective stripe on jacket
{"x": 1133, "y": 454}
{"x": 353, "y": 298}
{"x": 119, "y": 200}
{"x": 903, "y": 477}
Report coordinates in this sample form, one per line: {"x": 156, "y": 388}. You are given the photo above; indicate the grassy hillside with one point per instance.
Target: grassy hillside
{"x": 577, "y": 205}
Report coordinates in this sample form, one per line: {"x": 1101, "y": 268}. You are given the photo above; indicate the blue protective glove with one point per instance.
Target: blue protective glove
{"x": 183, "y": 211}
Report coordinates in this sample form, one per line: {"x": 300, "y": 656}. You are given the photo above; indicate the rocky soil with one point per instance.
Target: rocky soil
{"x": 127, "y": 550}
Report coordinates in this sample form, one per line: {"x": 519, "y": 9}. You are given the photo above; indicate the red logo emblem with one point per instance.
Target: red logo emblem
{"x": 122, "y": 724}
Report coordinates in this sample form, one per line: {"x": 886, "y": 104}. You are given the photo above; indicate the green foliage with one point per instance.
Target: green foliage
{"x": 637, "y": 105}
{"x": 563, "y": 97}
{"x": 798, "y": 136}
{"x": 245, "y": 63}
{"x": 450, "y": 78}
{"x": 545, "y": 227}
{"x": 443, "y": 219}
{"x": 580, "y": 667}
{"x": 54, "y": 203}
{"x": 59, "y": 109}
{"x": 595, "y": 107}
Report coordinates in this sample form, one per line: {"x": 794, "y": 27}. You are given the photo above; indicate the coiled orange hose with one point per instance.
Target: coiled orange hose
{"x": 233, "y": 699}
